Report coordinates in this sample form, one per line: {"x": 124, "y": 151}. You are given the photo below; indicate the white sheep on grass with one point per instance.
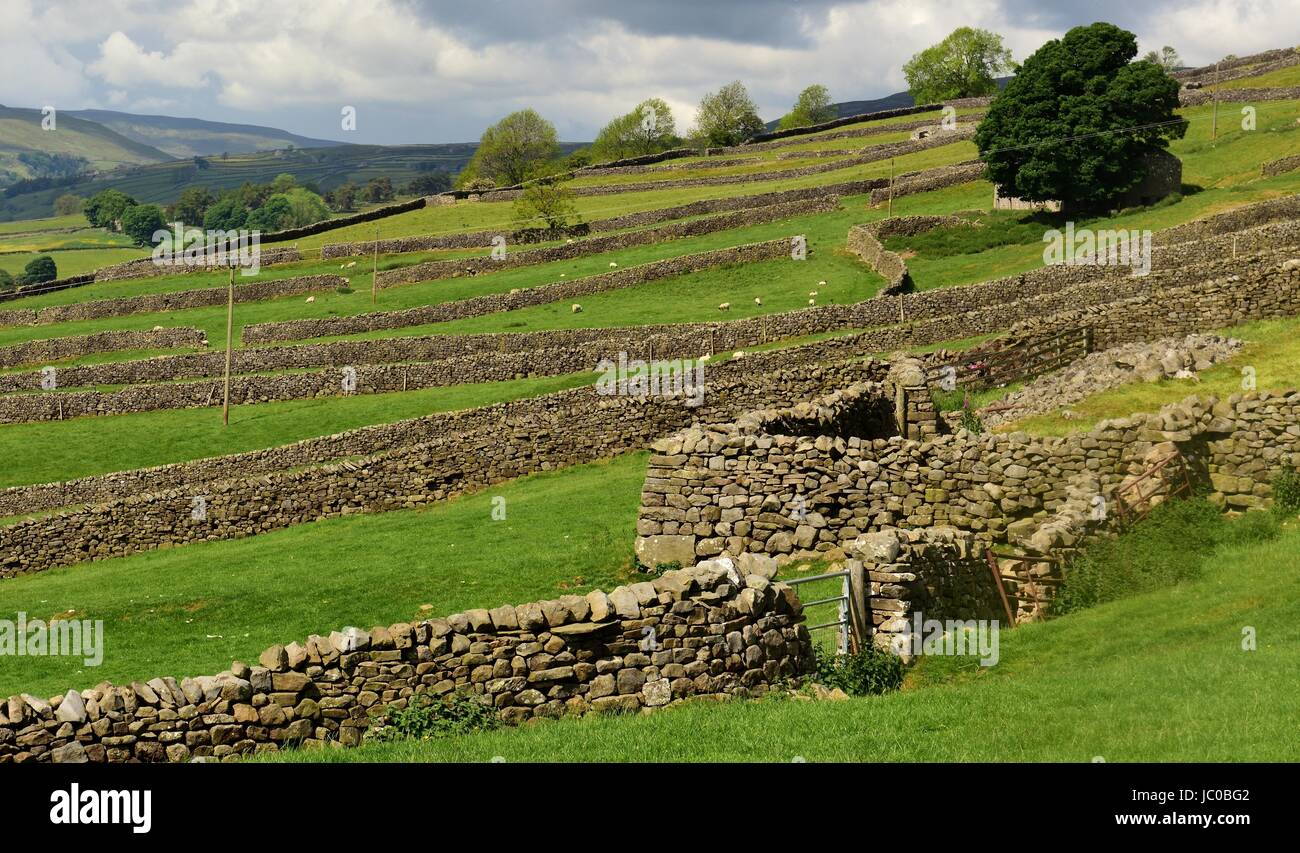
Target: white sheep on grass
{"x": 725, "y": 306}
{"x": 575, "y": 308}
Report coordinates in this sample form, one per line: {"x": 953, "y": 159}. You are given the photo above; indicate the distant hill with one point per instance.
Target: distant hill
{"x": 75, "y": 145}
{"x": 162, "y": 183}
{"x": 888, "y": 102}
{"x": 191, "y": 137}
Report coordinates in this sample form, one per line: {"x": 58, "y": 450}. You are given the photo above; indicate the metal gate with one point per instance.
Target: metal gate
{"x": 853, "y": 623}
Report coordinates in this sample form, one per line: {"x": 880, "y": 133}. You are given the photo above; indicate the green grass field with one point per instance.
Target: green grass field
{"x": 191, "y": 610}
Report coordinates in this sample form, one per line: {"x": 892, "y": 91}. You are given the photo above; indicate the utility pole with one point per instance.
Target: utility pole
{"x": 890, "y": 215}
{"x": 230, "y": 339}
{"x": 374, "y": 269}
{"x": 1214, "y": 120}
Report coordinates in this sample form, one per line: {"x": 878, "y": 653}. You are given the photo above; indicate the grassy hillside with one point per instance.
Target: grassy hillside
{"x": 191, "y": 137}
{"x": 101, "y": 147}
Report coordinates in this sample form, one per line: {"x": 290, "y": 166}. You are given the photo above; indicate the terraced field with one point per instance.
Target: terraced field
{"x": 376, "y": 431}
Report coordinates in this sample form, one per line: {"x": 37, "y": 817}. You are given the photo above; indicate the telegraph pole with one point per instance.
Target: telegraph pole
{"x": 890, "y": 215}
{"x": 1214, "y": 120}
{"x": 374, "y": 268}
{"x": 230, "y": 337}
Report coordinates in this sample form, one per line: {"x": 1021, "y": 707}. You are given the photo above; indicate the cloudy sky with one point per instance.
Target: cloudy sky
{"x": 439, "y": 71}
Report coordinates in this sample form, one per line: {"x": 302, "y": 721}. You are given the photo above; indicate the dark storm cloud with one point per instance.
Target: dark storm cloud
{"x": 774, "y": 23}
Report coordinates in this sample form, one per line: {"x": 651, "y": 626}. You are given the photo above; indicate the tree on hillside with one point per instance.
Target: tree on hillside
{"x": 1077, "y": 119}
{"x": 6, "y": 281}
{"x": 104, "y": 209}
{"x": 513, "y": 148}
{"x": 727, "y": 116}
{"x": 343, "y": 198}
{"x": 68, "y": 204}
{"x": 812, "y": 107}
{"x": 378, "y": 189}
{"x": 192, "y": 205}
{"x": 273, "y": 215}
{"x": 228, "y": 213}
{"x": 305, "y": 208}
{"x": 648, "y": 129}
{"x": 963, "y": 65}
{"x": 140, "y": 221}
{"x": 546, "y": 203}
{"x": 1167, "y": 58}
{"x": 431, "y": 183}
{"x": 39, "y": 270}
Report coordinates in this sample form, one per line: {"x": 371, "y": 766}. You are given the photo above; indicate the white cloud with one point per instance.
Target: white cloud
{"x": 295, "y": 62}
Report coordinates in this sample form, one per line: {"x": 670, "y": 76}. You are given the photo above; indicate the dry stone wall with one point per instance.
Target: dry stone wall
{"x": 1280, "y": 166}
{"x": 453, "y": 268}
{"x": 718, "y": 630}
{"x": 57, "y": 349}
{"x": 175, "y": 301}
{"x": 931, "y": 573}
{"x": 147, "y": 268}
{"x": 435, "y": 458}
{"x": 794, "y": 497}
{"x": 1199, "y": 97}
{"x": 483, "y": 239}
{"x": 872, "y": 155}
{"x": 930, "y": 180}
{"x": 540, "y": 295}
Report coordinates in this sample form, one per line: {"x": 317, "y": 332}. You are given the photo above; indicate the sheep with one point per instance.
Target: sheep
{"x": 812, "y": 293}
{"x": 740, "y": 353}
{"x": 575, "y": 308}
{"x": 821, "y": 284}
{"x": 311, "y": 299}
{"x": 758, "y": 300}
{"x": 612, "y": 264}
{"x": 352, "y": 264}
{"x": 725, "y": 306}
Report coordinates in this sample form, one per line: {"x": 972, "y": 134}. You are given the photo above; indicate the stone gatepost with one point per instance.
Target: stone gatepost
{"x": 914, "y": 412}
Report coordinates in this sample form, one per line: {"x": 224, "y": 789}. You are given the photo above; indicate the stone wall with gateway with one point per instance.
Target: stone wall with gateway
{"x": 720, "y": 630}
{"x": 175, "y": 301}
{"x": 456, "y": 267}
{"x": 73, "y": 346}
{"x": 429, "y": 464}
{"x": 795, "y": 497}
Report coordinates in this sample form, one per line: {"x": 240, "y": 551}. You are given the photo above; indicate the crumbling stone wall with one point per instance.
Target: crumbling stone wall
{"x": 1280, "y": 166}
{"x": 721, "y": 630}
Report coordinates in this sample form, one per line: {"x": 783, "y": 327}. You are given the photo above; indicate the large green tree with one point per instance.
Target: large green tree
{"x": 1077, "y": 119}
{"x": 727, "y": 116}
{"x": 963, "y": 65}
{"x": 140, "y": 221}
{"x": 648, "y": 129}
{"x": 513, "y": 148}
{"x": 812, "y": 107}
{"x": 104, "y": 209}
